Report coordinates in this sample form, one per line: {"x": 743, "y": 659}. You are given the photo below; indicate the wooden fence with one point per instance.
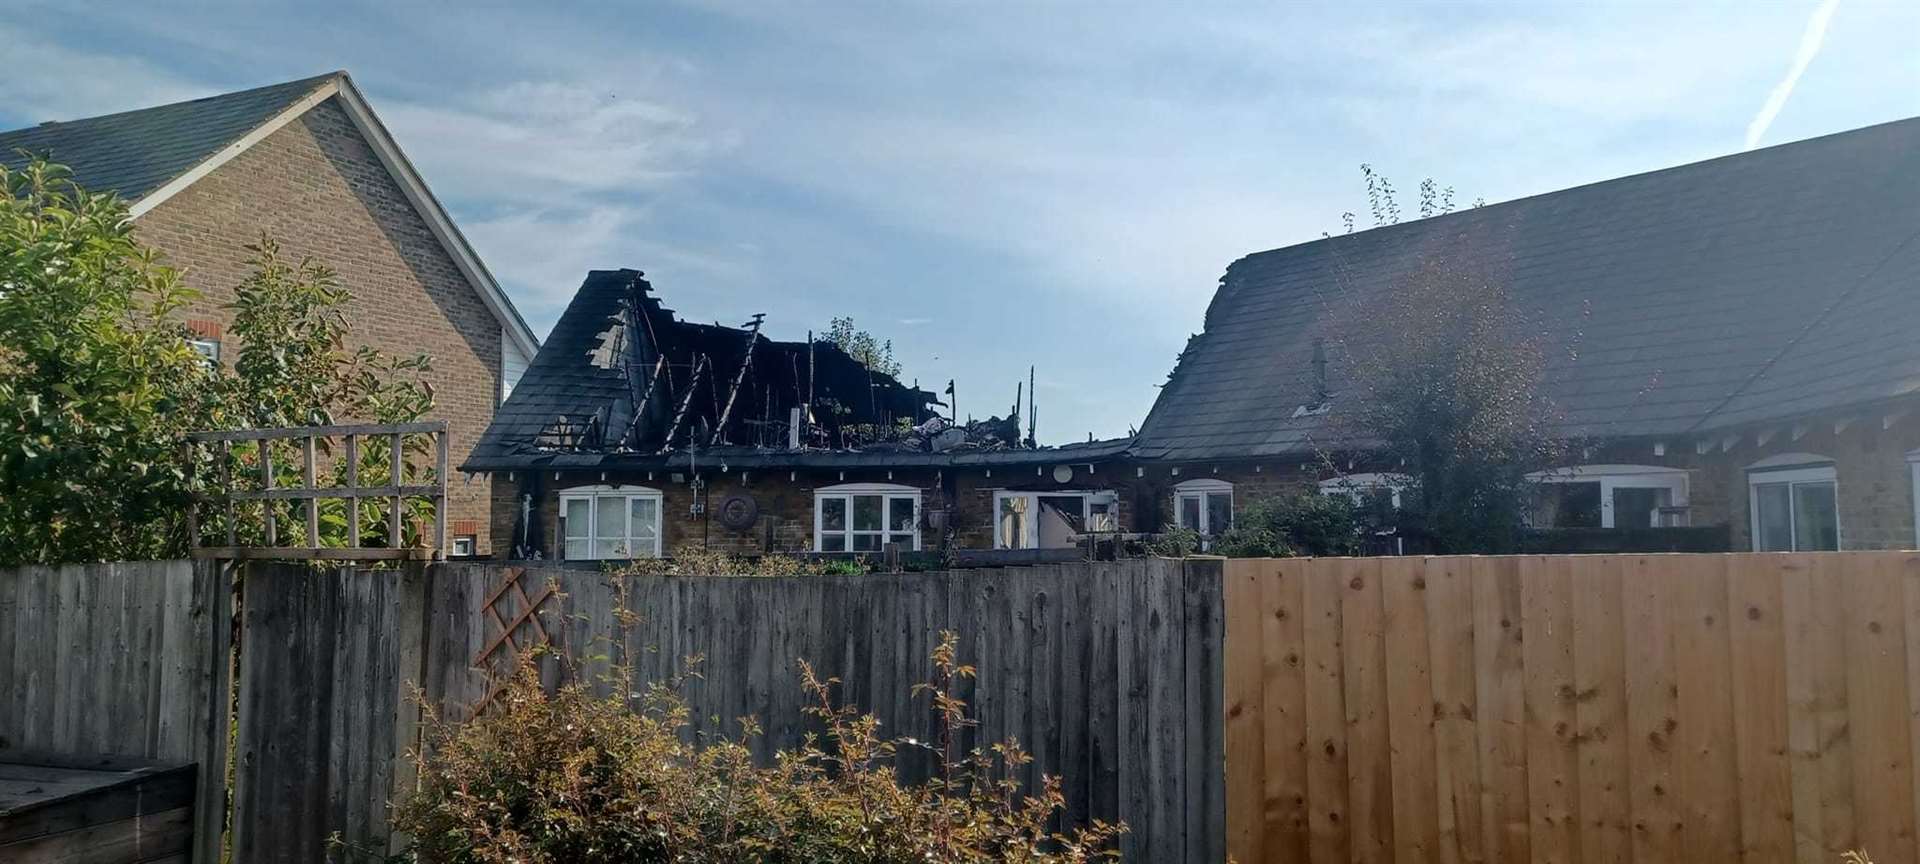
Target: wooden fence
{"x": 1109, "y": 673}
{"x": 1645, "y": 708}
{"x": 108, "y": 660}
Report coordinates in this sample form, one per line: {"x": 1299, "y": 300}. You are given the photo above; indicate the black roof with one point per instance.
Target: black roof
{"x": 576, "y": 405}
{"x": 134, "y": 153}
{"x": 1757, "y": 287}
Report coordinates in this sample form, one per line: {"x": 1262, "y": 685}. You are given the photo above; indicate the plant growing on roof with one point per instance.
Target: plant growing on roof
{"x": 875, "y": 353}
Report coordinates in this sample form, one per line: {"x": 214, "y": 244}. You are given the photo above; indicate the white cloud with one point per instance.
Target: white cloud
{"x": 48, "y": 81}
{"x": 1810, "y": 41}
{"x": 541, "y": 142}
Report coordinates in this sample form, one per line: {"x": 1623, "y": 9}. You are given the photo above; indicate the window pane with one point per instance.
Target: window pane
{"x": 833, "y": 514}
{"x": 1190, "y": 512}
{"x": 614, "y": 548}
{"x": 900, "y": 514}
{"x": 833, "y": 543}
{"x": 1219, "y": 512}
{"x": 866, "y": 512}
{"x": 866, "y": 542}
{"x": 1639, "y": 507}
{"x": 1100, "y": 516}
{"x": 1772, "y": 520}
{"x": 577, "y": 550}
{"x": 1816, "y": 525}
{"x": 905, "y": 540}
{"x": 1568, "y": 505}
{"x": 1013, "y": 523}
{"x": 579, "y": 517}
{"x": 610, "y": 518}
{"x": 646, "y": 519}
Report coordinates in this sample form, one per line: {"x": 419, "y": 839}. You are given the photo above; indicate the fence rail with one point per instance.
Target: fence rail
{"x": 1646, "y": 708}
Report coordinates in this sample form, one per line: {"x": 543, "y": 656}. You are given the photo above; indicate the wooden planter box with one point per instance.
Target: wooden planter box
{"x": 94, "y": 811}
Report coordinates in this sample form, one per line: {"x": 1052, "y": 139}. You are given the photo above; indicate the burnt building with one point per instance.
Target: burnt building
{"x": 634, "y": 433}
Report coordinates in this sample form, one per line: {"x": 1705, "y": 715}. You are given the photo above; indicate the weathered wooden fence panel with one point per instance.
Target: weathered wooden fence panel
{"x": 1108, "y": 673}
{"x": 119, "y": 660}
{"x": 328, "y": 658}
{"x": 1646, "y": 708}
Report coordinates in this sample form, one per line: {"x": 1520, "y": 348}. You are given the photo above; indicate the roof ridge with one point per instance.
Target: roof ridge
{"x": 316, "y": 81}
{"x": 1456, "y": 216}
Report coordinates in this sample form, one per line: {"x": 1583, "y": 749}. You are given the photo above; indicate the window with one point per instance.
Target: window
{"x": 463, "y": 546}
{"x": 1609, "y": 496}
{"x": 1793, "y": 504}
{"x": 863, "y": 517}
{"x": 1052, "y": 520}
{"x": 1367, "y": 488}
{"x": 1913, "y": 468}
{"x": 1205, "y": 506}
{"x": 610, "y": 522}
{"x": 208, "y": 348}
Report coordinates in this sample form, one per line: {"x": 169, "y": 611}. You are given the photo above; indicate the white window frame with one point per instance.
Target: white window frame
{"x": 1201, "y": 488}
{"x": 1611, "y": 477}
{"x": 888, "y": 493}
{"x": 208, "y": 348}
{"x": 1032, "y": 539}
{"x": 1913, "y": 470}
{"x": 469, "y": 541}
{"x": 1791, "y": 469}
{"x": 593, "y": 494}
{"x": 1356, "y": 487}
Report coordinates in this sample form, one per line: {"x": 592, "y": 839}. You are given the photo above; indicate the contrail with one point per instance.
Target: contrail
{"x": 1810, "y": 42}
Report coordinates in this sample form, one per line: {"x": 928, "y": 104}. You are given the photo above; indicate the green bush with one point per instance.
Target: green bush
{"x": 574, "y": 777}
{"x": 1302, "y": 524}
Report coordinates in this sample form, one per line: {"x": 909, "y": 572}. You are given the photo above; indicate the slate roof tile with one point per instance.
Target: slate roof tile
{"x": 1743, "y": 289}
{"x": 134, "y": 153}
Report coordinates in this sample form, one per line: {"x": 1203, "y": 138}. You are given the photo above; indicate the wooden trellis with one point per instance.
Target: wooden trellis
{"x": 509, "y": 625}
{"x": 394, "y": 494}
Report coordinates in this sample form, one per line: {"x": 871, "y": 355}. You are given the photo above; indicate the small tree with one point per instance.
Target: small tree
{"x": 1445, "y": 381}
{"x": 294, "y": 368}
{"x": 1446, "y": 387}
{"x": 876, "y": 353}
{"x": 97, "y": 385}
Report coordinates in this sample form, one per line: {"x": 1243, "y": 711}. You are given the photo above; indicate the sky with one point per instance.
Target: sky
{"x": 990, "y": 186}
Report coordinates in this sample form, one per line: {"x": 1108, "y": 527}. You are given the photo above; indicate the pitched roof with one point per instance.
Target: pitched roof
{"x": 1757, "y": 287}
{"x": 148, "y": 155}
{"x": 576, "y": 408}
{"x": 133, "y": 153}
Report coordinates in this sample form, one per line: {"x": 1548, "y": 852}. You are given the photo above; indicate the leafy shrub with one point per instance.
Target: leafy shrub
{"x": 1283, "y": 526}
{"x": 691, "y": 560}
{"x": 575, "y": 777}
{"x": 1173, "y": 543}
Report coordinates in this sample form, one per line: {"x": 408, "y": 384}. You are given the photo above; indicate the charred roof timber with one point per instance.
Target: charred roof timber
{"x": 622, "y": 377}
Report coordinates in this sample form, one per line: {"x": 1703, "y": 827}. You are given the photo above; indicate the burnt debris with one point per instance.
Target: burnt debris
{"x": 669, "y": 385}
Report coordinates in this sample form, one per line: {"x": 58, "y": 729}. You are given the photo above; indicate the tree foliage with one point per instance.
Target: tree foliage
{"x": 99, "y": 385}
{"x": 1446, "y": 388}
{"x": 876, "y": 353}
{"x": 576, "y": 777}
{"x": 1281, "y": 526}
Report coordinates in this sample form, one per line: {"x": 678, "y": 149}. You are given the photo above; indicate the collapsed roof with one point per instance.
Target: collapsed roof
{"x": 621, "y": 380}
{"x": 1759, "y": 287}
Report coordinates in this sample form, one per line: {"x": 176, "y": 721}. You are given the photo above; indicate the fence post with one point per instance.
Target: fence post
{"x": 410, "y": 660}
{"x": 213, "y": 586}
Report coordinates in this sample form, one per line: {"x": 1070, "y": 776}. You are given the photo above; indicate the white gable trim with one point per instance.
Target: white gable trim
{"x": 512, "y": 327}
{"x": 225, "y": 154}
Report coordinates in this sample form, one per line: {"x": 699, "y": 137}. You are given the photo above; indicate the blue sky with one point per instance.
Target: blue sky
{"x": 989, "y": 185}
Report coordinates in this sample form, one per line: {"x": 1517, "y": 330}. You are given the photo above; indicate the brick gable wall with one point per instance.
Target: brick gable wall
{"x": 317, "y": 187}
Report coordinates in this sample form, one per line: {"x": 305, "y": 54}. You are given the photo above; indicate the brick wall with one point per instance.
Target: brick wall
{"x": 317, "y": 187}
